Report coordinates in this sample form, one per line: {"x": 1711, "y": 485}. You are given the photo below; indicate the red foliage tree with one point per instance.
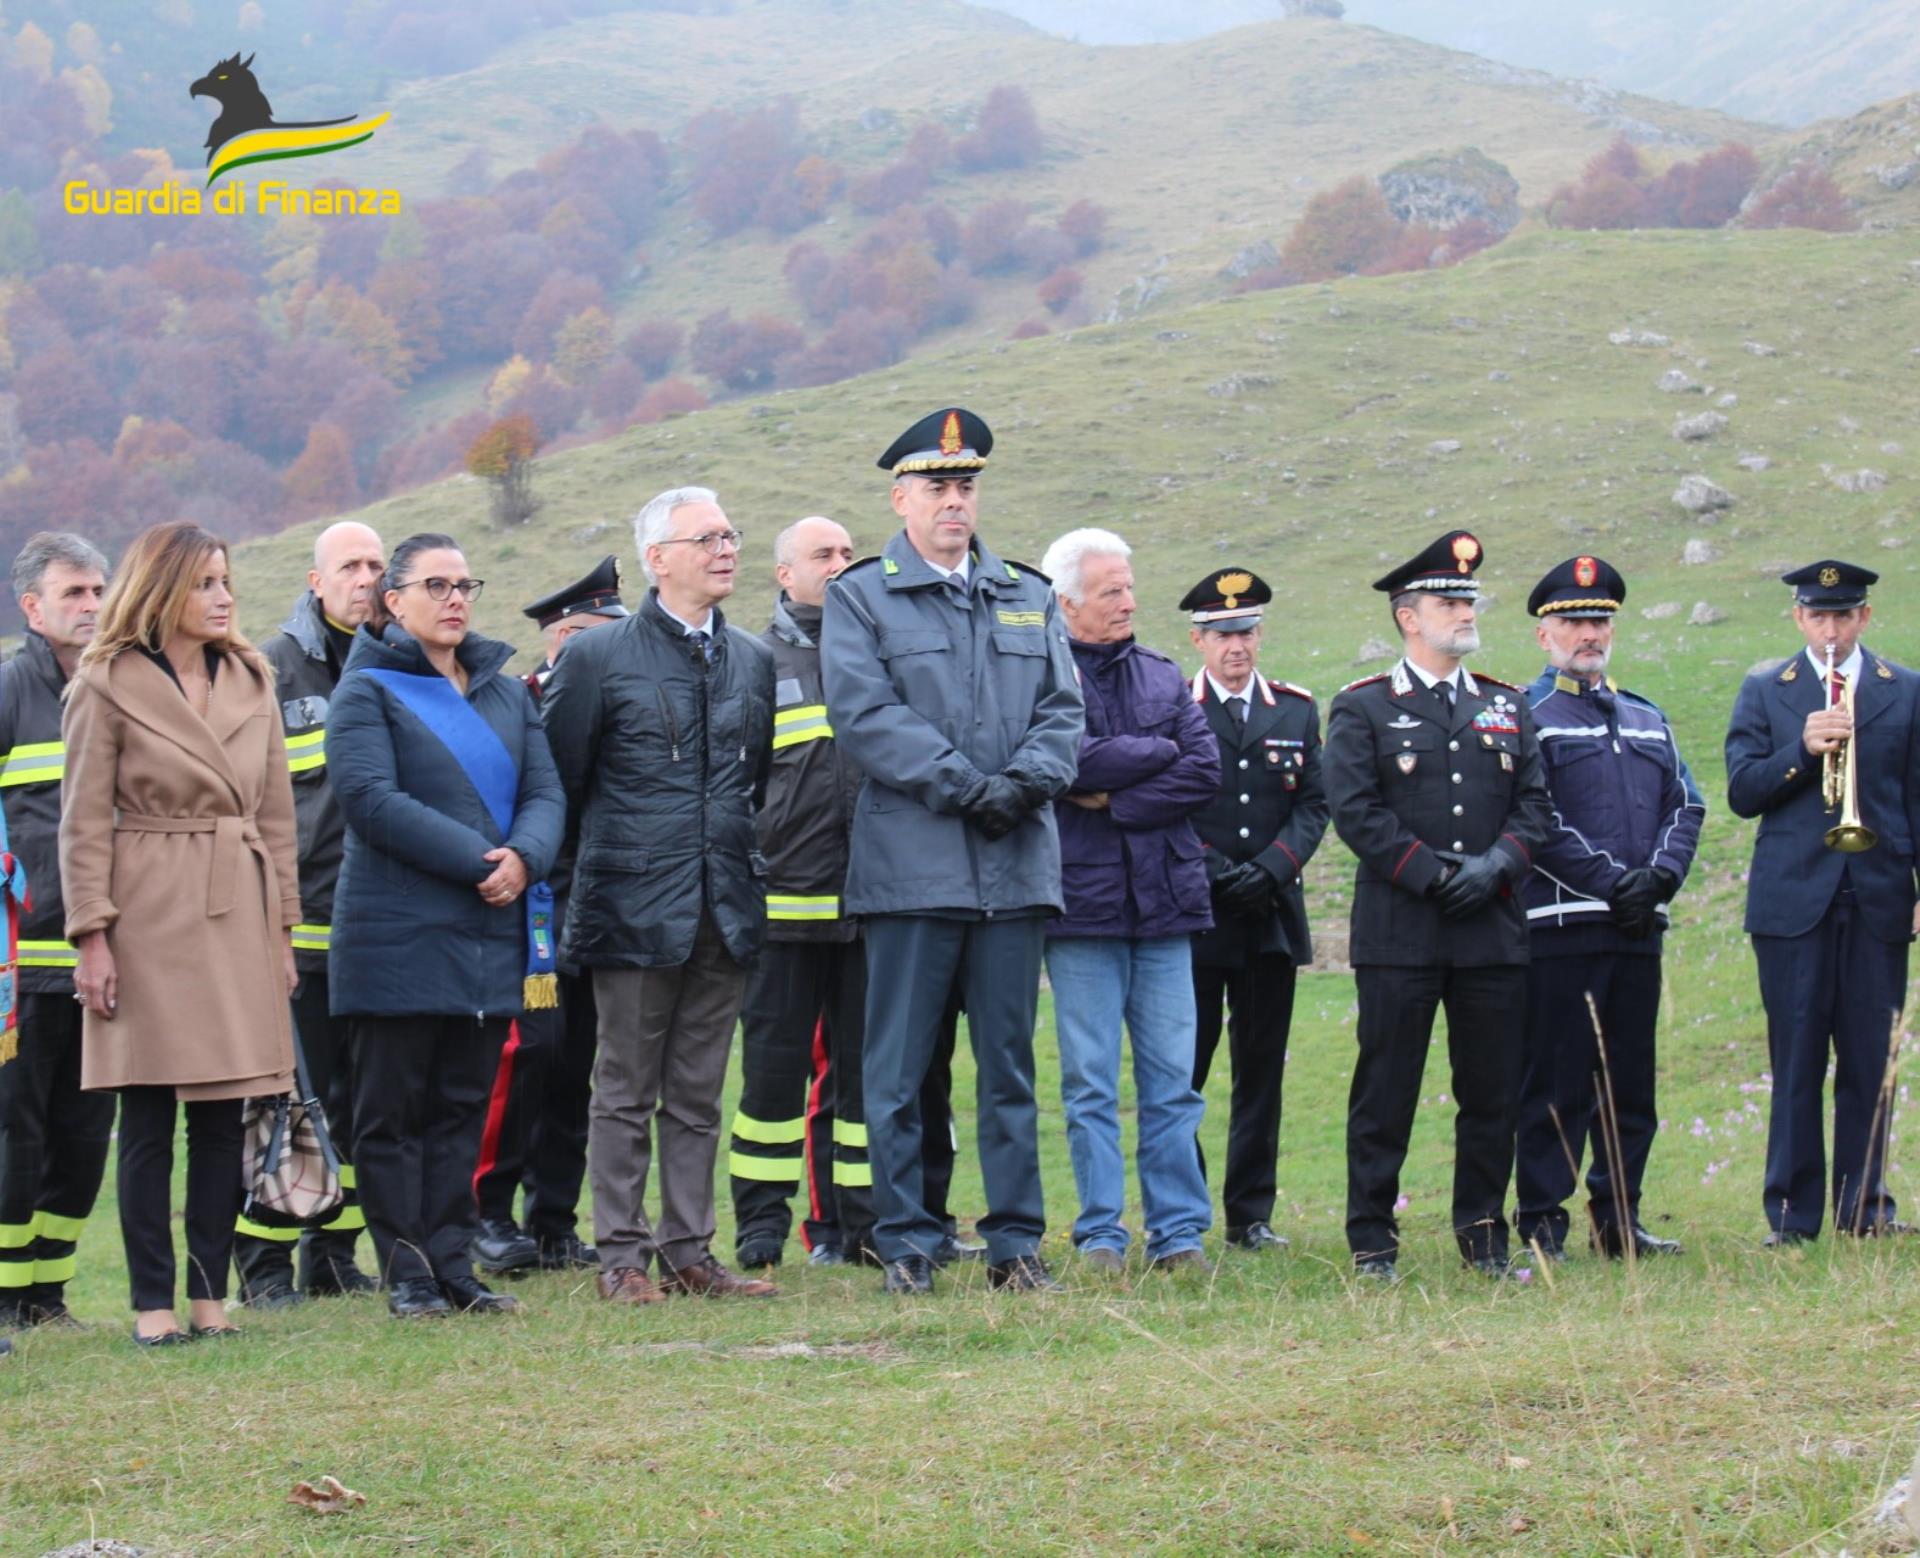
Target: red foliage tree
{"x": 669, "y": 398}
{"x": 614, "y": 391}
{"x": 322, "y": 480}
{"x": 859, "y": 341}
{"x": 1707, "y": 192}
{"x": 1006, "y": 133}
{"x": 1804, "y": 196}
{"x": 743, "y": 353}
{"x": 1085, "y": 225}
{"x": 991, "y": 240}
{"x": 653, "y": 344}
{"x": 1343, "y": 231}
{"x": 560, "y": 297}
{"x": 1060, "y": 289}
{"x": 1030, "y": 329}
{"x": 61, "y": 398}
{"x": 734, "y": 159}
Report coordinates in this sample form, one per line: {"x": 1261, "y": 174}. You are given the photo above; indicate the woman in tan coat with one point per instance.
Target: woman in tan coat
{"x": 177, "y": 859}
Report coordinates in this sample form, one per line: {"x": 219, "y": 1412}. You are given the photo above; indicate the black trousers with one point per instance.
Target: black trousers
{"x": 145, "y": 1180}
{"x": 918, "y": 962}
{"x": 1486, "y": 1012}
{"x": 1560, "y": 1090}
{"x": 1258, "y": 1000}
{"x": 420, "y": 1102}
{"x": 53, "y": 1153}
{"x": 536, "y": 1126}
{"x": 1837, "y": 987}
{"x": 801, "y": 1117}
{"x": 263, "y": 1256}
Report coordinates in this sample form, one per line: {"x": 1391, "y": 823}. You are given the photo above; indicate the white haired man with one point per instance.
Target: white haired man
{"x": 1136, "y": 893}
{"x": 662, "y": 727}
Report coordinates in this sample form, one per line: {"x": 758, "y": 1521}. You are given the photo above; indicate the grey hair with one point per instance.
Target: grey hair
{"x": 654, "y": 523}
{"x": 46, "y": 548}
{"x": 1406, "y": 598}
{"x": 1067, "y": 556}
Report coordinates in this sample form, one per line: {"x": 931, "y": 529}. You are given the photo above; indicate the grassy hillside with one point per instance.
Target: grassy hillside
{"x": 1874, "y": 156}
{"x": 1199, "y": 149}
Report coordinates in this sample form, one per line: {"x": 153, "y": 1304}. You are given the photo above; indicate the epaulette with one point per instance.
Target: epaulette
{"x": 857, "y": 563}
{"x": 1481, "y": 676}
{"x": 1279, "y": 686}
{"x": 1366, "y": 681}
{"x": 1012, "y": 564}
{"x": 1788, "y": 668}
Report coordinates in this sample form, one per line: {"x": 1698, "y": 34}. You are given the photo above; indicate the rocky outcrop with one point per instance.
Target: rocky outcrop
{"x": 1444, "y": 189}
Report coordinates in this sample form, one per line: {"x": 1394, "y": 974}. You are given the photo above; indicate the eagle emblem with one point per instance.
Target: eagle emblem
{"x": 951, "y": 443}
{"x": 1829, "y": 577}
{"x": 1466, "y": 551}
{"x": 1585, "y": 572}
{"x": 1232, "y": 586}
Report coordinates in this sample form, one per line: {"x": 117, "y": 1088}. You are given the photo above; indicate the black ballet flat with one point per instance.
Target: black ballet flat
{"x": 173, "y": 1338}
{"x": 214, "y": 1332}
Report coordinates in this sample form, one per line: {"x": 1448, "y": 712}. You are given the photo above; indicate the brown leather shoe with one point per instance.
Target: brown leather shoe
{"x": 707, "y": 1278}
{"x": 628, "y": 1285}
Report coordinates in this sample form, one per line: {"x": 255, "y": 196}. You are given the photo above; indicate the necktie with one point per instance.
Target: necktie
{"x": 1240, "y": 710}
{"x": 1837, "y": 693}
{"x": 705, "y": 640}
{"x": 1444, "y": 692}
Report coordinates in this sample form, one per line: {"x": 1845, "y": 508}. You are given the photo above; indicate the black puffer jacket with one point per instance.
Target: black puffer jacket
{"x": 33, "y": 762}
{"x": 665, "y": 759}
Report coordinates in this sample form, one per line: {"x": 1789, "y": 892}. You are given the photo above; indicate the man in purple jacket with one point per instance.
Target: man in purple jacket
{"x": 1136, "y": 891}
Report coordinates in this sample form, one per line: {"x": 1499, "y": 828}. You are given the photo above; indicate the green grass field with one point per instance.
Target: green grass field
{"x": 1730, "y": 1402}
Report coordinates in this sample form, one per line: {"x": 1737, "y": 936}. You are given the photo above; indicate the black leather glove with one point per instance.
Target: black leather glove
{"x": 997, "y": 807}
{"x": 1633, "y": 899}
{"x": 1243, "y": 888}
{"x": 1472, "y": 887}
{"x": 1669, "y": 884}
{"x": 1032, "y": 792}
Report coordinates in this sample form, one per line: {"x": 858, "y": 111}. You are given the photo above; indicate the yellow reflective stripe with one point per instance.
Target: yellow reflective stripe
{"x": 772, "y": 1133}
{"x": 799, "y": 714}
{"x": 792, "y": 738}
{"x": 781, "y": 907}
{"x": 312, "y": 938}
{"x": 349, "y": 1219}
{"x": 307, "y": 751}
{"x": 15, "y": 1236}
{"x": 348, "y": 1179}
{"x": 853, "y": 1174}
{"x": 255, "y": 1230}
{"x": 849, "y": 1133}
{"x": 17, "y": 1274}
{"x": 807, "y": 722}
{"x": 51, "y": 1225}
{"x": 34, "y": 763}
{"x": 48, "y": 954}
{"x": 780, "y": 1171}
{"x": 55, "y": 1270}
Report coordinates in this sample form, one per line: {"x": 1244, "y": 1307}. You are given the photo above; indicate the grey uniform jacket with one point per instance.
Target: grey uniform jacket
{"x": 929, "y": 690}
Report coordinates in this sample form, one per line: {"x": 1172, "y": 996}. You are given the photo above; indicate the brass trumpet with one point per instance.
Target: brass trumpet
{"x": 1840, "y": 783}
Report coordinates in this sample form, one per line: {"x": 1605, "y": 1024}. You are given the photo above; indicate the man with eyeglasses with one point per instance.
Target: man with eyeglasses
{"x": 950, "y": 685}
{"x": 662, "y": 728}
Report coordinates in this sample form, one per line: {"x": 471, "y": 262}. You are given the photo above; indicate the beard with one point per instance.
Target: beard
{"x": 1456, "y": 642}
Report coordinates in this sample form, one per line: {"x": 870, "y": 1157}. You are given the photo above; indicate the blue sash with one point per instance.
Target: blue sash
{"x": 483, "y": 757}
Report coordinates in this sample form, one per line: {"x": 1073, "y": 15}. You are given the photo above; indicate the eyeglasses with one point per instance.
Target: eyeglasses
{"x": 440, "y": 589}
{"x": 711, "y": 542}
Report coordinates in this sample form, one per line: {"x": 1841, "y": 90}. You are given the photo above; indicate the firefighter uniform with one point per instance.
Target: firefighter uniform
{"x": 1429, "y": 782}
{"x": 535, "y": 1137}
{"x": 800, "y": 1118}
{"x": 1271, "y": 812}
{"x": 307, "y": 656}
{"x": 53, "y": 1136}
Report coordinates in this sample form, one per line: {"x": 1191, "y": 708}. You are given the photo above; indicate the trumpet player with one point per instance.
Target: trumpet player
{"x": 1824, "y": 749}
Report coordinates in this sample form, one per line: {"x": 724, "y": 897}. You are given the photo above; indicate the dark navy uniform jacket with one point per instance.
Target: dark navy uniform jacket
{"x": 1411, "y": 783}
{"x": 1623, "y": 798}
{"x": 1271, "y": 808}
{"x": 1770, "y": 775}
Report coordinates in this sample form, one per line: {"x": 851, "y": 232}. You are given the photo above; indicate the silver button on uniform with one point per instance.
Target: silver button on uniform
{"x": 1459, "y": 811}
{"x": 1244, "y": 833}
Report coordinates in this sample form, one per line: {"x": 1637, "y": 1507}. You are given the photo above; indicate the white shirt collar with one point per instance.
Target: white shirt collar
{"x": 1849, "y": 667}
{"x": 1224, "y": 696}
{"x": 1430, "y": 681}
{"x": 962, "y": 573}
{"x": 688, "y": 628}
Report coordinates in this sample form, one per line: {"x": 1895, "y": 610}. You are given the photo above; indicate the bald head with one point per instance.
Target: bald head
{"x": 807, "y": 554}
{"x": 347, "y": 562}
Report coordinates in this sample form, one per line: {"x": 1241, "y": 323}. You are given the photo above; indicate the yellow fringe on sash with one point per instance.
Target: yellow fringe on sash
{"x": 540, "y": 992}
{"x": 9, "y": 1045}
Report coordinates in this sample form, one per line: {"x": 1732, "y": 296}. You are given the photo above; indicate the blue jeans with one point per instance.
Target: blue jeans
{"x": 1099, "y": 982}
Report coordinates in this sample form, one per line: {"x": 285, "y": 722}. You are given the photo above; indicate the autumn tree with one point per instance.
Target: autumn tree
{"x": 1085, "y": 225}
{"x": 1342, "y": 232}
{"x": 653, "y": 344}
{"x": 582, "y": 346}
{"x": 669, "y": 398}
{"x": 1804, "y": 196}
{"x": 502, "y": 456}
{"x": 1060, "y": 289}
{"x": 1006, "y": 133}
{"x": 322, "y": 480}
{"x": 743, "y": 353}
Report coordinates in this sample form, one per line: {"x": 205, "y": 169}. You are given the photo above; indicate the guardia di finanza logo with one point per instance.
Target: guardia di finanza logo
{"x": 246, "y": 131}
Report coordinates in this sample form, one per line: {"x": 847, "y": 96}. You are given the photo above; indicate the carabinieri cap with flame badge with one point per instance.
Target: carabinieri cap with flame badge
{"x": 1579, "y": 587}
{"x": 949, "y": 442}
{"x": 1228, "y": 600}
{"x": 1445, "y": 568}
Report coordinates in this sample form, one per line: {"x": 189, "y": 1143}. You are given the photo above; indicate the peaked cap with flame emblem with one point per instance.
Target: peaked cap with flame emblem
{"x": 1579, "y": 587}
{"x": 1445, "y": 568}
{"x": 1228, "y": 600}
{"x": 949, "y": 442}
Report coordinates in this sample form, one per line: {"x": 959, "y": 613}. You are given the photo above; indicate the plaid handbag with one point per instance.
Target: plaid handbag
{"x": 291, "y": 1174}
